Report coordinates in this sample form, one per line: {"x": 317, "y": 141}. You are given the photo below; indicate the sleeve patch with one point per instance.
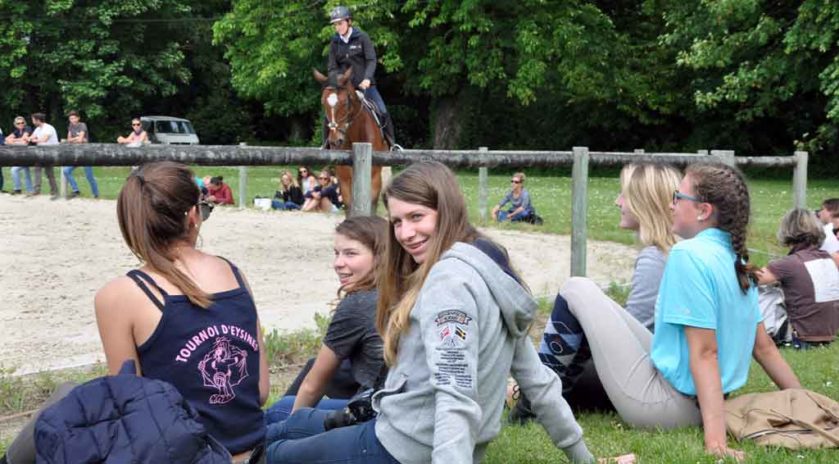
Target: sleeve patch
{"x": 452, "y": 328}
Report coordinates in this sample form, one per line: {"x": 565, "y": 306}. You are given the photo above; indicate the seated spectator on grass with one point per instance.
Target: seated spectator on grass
{"x": 644, "y": 201}
{"x": 290, "y": 196}
{"x": 306, "y": 180}
{"x": 324, "y": 197}
{"x": 707, "y": 321}
{"x": 521, "y": 209}
{"x": 175, "y": 315}
{"x": 351, "y": 339}
{"x": 20, "y": 136}
{"x": 137, "y": 137}
{"x": 829, "y": 217}
{"x": 218, "y": 192}
{"x": 809, "y": 278}
{"x": 454, "y": 318}
{"x": 77, "y": 133}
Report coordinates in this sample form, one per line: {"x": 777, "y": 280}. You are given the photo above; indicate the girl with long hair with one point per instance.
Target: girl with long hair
{"x": 185, "y": 317}
{"x": 351, "y": 342}
{"x": 644, "y": 202}
{"x": 289, "y": 196}
{"x": 454, "y": 318}
{"x": 707, "y": 320}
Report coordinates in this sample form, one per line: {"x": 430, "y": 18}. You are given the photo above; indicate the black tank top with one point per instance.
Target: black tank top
{"x": 212, "y": 357}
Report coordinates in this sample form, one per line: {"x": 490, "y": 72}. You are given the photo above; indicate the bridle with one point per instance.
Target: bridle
{"x": 342, "y": 125}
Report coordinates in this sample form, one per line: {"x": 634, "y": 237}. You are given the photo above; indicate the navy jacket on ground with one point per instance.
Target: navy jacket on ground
{"x": 122, "y": 419}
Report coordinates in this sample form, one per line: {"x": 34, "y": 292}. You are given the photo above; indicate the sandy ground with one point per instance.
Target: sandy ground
{"x": 56, "y": 254}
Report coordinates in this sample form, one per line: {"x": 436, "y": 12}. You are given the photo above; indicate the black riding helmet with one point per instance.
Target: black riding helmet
{"x": 339, "y": 13}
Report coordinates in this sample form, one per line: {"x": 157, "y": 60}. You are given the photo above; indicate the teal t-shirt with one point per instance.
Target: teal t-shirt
{"x": 700, "y": 289}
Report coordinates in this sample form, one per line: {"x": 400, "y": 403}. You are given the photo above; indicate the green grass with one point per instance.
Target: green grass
{"x": 551, "y": 194}
{"x": 606, "y": 435}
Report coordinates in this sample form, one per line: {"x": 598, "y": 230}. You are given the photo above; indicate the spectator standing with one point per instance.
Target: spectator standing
{"x": 43, "y": 135}
{"x": 829, "y": 217}
{"x": 77, "y": 133}
{"x": 137, "y": 137}
{"x": 20, "y": 136}
{"x": 809, "y": 279}
{"x": 218, "y": 192}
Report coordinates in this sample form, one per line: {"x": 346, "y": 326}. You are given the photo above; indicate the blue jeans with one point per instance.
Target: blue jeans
{"x": 280, "y": 410}
{"x": 88, "y": 172}
{"x": 1, "y": 178}
{"x": 502, "y": 216}
{"x": 297, "y": 440}
{"x": 284, "y": 205}
{"x": 16, "y": 170}
{"x": 372, "y": 94}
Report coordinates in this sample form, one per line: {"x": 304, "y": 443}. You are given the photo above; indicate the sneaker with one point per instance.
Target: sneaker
{"x": 73, "y": 195}
{"x": 54, "y": 196}
{"x": 15, "y": 192}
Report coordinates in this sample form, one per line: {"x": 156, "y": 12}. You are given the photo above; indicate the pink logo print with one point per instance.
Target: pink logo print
{"x": 223, "y": 368}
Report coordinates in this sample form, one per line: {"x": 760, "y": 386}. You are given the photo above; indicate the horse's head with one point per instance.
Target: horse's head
{"x": 337, "y": 98}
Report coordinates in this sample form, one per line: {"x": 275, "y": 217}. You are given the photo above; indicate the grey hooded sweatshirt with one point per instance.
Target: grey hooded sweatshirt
{"x": 443, "y": 399}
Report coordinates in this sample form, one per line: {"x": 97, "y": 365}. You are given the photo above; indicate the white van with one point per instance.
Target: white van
{"x": 167, "y": 130}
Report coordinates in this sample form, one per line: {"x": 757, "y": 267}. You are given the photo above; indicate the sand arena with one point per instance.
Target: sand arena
{"x": 57, "y": 254}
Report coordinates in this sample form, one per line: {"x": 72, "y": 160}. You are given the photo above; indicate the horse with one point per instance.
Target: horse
{"x": 349, "y": 122}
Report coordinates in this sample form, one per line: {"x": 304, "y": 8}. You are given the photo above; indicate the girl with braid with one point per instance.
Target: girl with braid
{"x": 707, "y": 320}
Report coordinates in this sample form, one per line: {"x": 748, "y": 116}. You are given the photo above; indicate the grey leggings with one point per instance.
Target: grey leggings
{"x": 620, "y": 349}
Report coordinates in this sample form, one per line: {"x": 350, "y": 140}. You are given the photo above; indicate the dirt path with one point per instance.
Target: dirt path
{"x": 56, "y": 254}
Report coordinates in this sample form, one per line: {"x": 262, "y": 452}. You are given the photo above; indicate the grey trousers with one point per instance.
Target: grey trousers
{"x": 620, "y": 348}
{"x": 50, "y": 177}
{"x": 22, "y": 449}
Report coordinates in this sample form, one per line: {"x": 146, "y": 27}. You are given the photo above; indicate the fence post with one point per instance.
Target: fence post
{"x": 62, "y": 189}
{"x": 799, "y": 179}
{"x": 579, "y": 205}
{"x": 362, "y": 173}
{"x": 483, "y": 174}
{"x": 725, "y": 156}
{"x": 243, "y": 183}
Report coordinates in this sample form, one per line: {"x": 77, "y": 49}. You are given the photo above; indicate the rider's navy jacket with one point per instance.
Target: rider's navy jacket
{"x": 358, "y": 53}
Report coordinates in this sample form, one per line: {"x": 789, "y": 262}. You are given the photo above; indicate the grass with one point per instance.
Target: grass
{"x": 551, "y": 194}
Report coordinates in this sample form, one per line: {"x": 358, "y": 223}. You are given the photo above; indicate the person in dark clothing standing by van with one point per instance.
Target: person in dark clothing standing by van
{"x": 352, "y": 48}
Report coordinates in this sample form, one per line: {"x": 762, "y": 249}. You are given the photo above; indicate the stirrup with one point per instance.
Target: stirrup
{"x": 396, "y": 147}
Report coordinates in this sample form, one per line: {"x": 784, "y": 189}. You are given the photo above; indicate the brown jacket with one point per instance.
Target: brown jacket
{"x": 794, "y": 418}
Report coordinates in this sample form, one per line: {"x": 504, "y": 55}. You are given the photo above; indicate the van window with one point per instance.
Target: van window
{"x": 173, "y": 127}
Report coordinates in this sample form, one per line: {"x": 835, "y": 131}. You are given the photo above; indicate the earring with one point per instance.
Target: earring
{"x": 700, "y": 218}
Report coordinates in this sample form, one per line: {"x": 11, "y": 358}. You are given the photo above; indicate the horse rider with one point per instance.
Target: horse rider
{"x": 352, "y": 47}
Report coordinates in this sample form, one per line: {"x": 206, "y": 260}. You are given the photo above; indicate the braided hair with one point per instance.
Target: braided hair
{"x": 725, "y": 187}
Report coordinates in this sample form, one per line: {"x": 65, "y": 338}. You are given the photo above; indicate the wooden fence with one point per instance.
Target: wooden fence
{"x": 363, "y": 158}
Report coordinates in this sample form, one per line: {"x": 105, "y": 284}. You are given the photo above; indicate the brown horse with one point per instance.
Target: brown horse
{"x": 349, "y": 122}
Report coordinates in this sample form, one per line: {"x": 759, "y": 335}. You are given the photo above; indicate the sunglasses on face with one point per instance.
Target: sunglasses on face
{"x": 516, "y": 181}
{"x": 135, "y": 125}
{"x": 677, "y": 195}
{"x": 19, "y": 123}
{"x": 205, "y": 208}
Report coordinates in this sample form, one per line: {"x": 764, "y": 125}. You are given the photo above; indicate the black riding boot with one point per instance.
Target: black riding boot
{"x": 389, "y": 133}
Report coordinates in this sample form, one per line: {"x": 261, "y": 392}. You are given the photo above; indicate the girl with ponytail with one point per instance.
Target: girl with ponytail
{"x": 184, "y": 316}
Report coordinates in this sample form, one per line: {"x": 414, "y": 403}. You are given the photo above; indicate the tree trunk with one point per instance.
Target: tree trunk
{"x": 297, "y": 129}
{"x": 446, "y": 122}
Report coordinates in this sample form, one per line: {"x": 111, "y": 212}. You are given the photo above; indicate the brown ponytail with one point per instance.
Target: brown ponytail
{"x": 152, "y": 212}
{"x": 725, "y": 187}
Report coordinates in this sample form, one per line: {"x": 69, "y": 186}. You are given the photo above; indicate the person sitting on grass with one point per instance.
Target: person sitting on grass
{"x": 218, "y": 192}
{"x": 137, "y": 137}
{"x": 707, "y": 320}
{"x": 290, "y": 196}
{"x": 644, "y": 202}
{"x": 521, "y": 209}
{"x": 350, "y": 359}
{"x": 809, "y": 278}
{"x": 185, "y": 317}
{"x": 454, "y": 318}
{"x": 324, "y": 197}
{"x": 829, "y": 217}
